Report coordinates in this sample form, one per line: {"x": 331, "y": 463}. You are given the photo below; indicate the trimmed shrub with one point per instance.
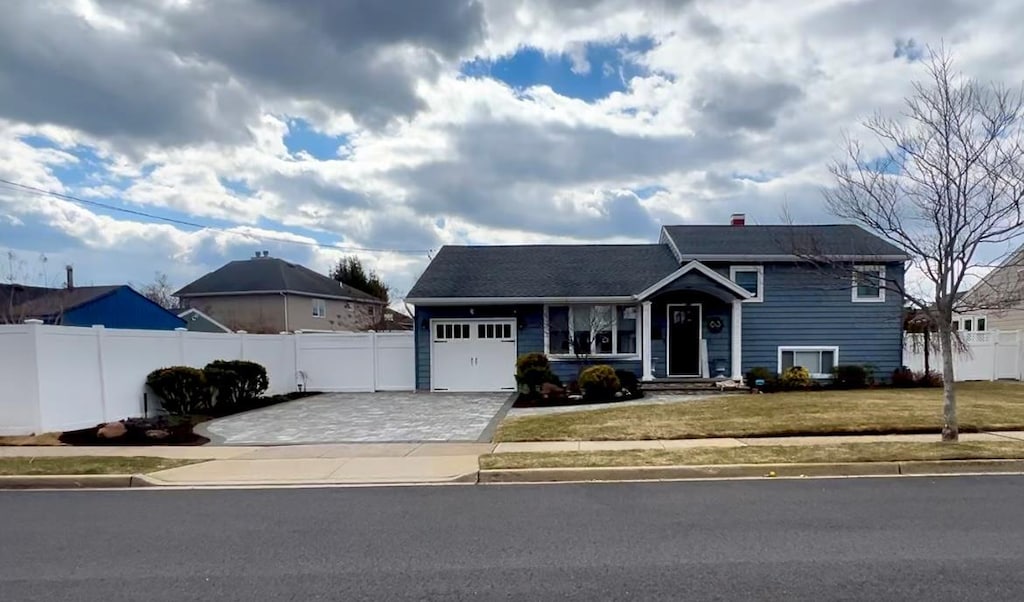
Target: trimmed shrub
{"x": 533, "y": 370}
{"x": 761, "y": 373}
{"x": 184, "y": 390}
{"x": 851, "y": 376}
{"x": 903, "y": 377}
{"x": 599, "y": 383}
{"x": 629, "y": 382}
{"x": 236, "y": 383}
{"x": 795, "y": 378}
{"x": 928, "y": 379}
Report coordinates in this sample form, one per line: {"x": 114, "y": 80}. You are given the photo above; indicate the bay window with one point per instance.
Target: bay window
{"x": 591, "y": 329}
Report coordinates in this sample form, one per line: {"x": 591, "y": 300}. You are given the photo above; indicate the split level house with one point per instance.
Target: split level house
{"x": 266, "y": 294}
{"x": 703, "y": 302}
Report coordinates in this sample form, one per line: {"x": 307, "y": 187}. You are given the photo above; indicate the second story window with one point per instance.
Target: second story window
{"x": 869, "y": 284}
{"x": 750, "y": 277}
{"x": 319, "y": 308}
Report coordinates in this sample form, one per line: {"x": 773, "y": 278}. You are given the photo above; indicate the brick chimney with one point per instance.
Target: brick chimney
{"x": 738, "y": 219}
{"x": 71, "y": 277}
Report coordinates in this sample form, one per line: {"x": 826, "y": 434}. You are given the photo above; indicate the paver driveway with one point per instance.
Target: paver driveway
{"x": 341, "y": 417}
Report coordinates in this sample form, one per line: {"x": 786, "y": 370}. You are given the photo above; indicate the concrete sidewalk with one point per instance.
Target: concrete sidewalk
{"x": 351, "y": 463}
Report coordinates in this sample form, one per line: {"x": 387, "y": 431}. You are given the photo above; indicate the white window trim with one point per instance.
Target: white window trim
{"x": 960, "y": 322}
{"x": 614, "y": 327}
{"x": 833, "y": 349}
{"x": 319, "y": 303}
{"x": 759, "y": 297}
{"x": 881, "y": 282}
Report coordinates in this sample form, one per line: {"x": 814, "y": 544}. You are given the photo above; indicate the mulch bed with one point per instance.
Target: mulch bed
{"x": 167, "y": 430}
{"x": 531, "y": 401}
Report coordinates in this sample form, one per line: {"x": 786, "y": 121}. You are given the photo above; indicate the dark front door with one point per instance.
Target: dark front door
{"x": 684, "y": 340}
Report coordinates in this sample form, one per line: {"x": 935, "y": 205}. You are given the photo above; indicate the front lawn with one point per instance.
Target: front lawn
{"x": 981, "y": 406}
{"x": 79, "y": 465}
{"x": 759, "y": 454}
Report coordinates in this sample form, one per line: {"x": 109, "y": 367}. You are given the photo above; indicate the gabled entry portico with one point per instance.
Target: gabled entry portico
{"x": 691, "y": 327}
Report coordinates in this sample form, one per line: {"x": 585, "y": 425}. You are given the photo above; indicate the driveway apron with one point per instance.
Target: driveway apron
{"x": 364, "y": 417}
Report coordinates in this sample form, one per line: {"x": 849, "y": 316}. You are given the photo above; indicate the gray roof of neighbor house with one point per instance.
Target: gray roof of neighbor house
{"x": 271, "y": 275}
{"x": 12, "y": 295}
{"x": 801, "y": 240}
{"x": 544, "y": 271}
{"x": 58, "y": 300}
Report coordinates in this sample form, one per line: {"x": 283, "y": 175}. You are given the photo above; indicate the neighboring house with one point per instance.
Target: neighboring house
{"x": 393, "y": 321}
{"x": 118, "y": 306}
{"x": 269, "y": 295}
{"x": 999, "y": 297}
{"x": 705, "y": 301}
{"x": 197, "y": 321}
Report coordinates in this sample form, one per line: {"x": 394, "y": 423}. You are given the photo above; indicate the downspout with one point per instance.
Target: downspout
{"x": 285, "y": 310}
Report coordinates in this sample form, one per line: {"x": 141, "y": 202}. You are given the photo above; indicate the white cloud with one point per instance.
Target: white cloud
{"x": 740, "y": 107}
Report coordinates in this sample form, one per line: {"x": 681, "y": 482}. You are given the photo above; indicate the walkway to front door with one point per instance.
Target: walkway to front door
{"x": 364, "y": 417}
{"x": 684, "y": 323}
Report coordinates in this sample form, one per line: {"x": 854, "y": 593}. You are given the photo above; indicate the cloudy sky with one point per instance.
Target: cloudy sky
{"x": 392, "y": 128}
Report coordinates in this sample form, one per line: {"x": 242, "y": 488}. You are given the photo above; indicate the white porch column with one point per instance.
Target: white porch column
{"x": 737, "y": 338}
{"x": 645, "y": 342}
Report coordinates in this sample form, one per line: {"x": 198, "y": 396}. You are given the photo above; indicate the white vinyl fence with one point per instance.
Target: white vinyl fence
{"x": 991, "y": 355}
{"x": 55, "y": 378}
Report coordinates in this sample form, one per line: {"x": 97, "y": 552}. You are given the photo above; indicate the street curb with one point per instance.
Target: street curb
{"x": 123, "y": 481}
{"x": 729, "y": 471}
{"x": 66, "y": 481}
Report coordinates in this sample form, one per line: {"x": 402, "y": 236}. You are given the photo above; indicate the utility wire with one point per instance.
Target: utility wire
{"x": 180, "y": 222}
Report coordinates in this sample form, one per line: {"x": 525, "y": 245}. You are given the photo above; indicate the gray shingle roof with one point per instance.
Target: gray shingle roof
{"x": 838, "y": 239}
{"x": 544, "y": 271}
{"x": 56, "y": 301}
{"x": 270, "y": 275}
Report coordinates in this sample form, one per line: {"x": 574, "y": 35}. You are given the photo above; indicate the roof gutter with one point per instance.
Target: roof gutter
{"x": 279, "y": 292}
{"x": 765, "y": 258}
{"x": 515, "y": 300}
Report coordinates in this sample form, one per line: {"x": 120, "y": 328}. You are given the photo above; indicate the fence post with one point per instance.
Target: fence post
{"x": 995, "y": 356}
{"x": 373, "y": 354}
{"x": 34, "y": 336}
{"x": 241, "y": 343}
{"x": 181, "y": 345}
{"x": 100, "y": 331}
{"x": 296, "y": 348}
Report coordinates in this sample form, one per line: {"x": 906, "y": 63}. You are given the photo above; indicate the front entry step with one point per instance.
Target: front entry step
{"x": 690, "y": 385}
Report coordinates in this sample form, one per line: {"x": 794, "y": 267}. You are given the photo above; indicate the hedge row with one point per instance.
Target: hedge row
{"x": 221, "y": 387}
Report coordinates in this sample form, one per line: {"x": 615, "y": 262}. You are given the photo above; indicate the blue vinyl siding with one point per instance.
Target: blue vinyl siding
{"x": 123, "y": 308}
{"x": 802, "y": 306}
{"x": 806, "y": 306}
{"x": 529, "y": 338}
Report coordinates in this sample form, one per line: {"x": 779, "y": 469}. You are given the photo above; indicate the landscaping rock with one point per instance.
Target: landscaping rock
{"x": 157, "y": 434}
{"x": 112, "y": 430}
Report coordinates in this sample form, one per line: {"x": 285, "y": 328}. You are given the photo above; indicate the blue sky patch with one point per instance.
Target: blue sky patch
{"x": 908, "y": 49}
{"x": 648, "y": 191}
{"x": 760, "y": 176}
{"x": 302, "y": 137}
{"x": 611, "y": 66}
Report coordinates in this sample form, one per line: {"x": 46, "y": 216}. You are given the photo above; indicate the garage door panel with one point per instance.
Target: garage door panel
{"x": 473, "y": 355}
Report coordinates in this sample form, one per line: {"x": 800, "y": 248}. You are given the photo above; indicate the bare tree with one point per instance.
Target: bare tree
{"x": 948, "y": 188}
{"x": 159, "y": 291}
{"x": 15, "y": 276}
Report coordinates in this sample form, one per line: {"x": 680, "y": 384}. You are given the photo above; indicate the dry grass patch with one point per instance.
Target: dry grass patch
{"x": 47, "y": 439}
{"x": 767, "y": 454}
{"x": 79, "y": 465}
{"x": 982, "y": 406}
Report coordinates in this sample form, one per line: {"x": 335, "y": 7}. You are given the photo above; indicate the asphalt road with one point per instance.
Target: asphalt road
{"x": 855, "y": 539}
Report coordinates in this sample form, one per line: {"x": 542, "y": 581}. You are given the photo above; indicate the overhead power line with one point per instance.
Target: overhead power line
{"x": 189, "y": 224}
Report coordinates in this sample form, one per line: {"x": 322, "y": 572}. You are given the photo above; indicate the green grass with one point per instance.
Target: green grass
{"x": 981, "y": 406}
{"x": 759, "y": 454}
{"x": 79, "y": 465}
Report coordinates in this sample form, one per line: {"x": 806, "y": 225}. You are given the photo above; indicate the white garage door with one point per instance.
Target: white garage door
{"x": 473, "y": 355}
